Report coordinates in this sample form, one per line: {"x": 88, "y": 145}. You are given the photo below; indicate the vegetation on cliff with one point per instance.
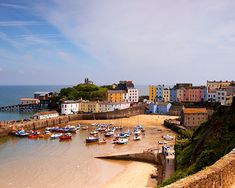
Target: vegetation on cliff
{"x": 210, "y": 141}
{"x": 84, "y": 91}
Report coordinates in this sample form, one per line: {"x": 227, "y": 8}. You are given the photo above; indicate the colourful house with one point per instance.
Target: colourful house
{"x": 116, "y": 96}
{"x": 152, "y": 93}
{"x": 159, "y": 108}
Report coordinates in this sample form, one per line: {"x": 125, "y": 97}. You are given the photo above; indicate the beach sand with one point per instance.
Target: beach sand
{"x": 137, "y": 174}
{"x": 133, "y": 178}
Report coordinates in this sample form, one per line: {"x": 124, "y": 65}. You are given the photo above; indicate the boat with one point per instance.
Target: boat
{"x": 137, "y": 131}
{"x": 109, "y": 134}
{"x": 93, "y": 132}
{"x": 90, "y": 139}
{"x": 22, "y": 133}
{"x": 33, "y": 136}
{"x": 56, "y": 135}
{"x": 120, "y": 141}
{"x": 78, "y": 126}
{"x": 84, "y": 127}
{"x": 66, "y": 136}
{"x": 136, "y": 137}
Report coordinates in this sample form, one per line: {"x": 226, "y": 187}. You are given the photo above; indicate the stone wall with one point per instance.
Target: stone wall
{"x": 219, "y": 175}
{"x": 6, "y": 127}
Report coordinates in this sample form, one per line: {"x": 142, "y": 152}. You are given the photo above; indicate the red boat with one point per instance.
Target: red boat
{"x": 66, "y": 137}
{"x": 33, "y": 136}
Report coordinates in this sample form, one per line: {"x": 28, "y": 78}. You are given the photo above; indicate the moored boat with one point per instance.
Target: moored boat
{"x": 56, "y": 135}
{"x": 22, "y": 133}
{"x": 66, "y": 136}
{"x": 90, "y": 139}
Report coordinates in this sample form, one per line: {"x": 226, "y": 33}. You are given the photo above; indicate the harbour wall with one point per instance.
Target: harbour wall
{"x": 150, "y": 156}
{"x": 221, "y": 174}
{"x": 7, "y": 127}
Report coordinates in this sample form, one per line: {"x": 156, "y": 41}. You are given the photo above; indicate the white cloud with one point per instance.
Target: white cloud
{"x": 158, "y": 37}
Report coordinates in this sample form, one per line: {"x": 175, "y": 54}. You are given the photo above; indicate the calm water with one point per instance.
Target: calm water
{"x": 10, "y": 95}
{"x": 29, "y": 163}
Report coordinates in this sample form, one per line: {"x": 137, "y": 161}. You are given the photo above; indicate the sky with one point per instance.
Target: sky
{"x": 148, "y": 41}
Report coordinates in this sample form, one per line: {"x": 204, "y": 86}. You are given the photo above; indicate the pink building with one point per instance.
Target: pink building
{"x": 191, "y": 94}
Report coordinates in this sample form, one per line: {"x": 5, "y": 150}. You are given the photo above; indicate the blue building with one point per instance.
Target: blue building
{"x": 173, "y": 94}
{"x": 159, "y": 108}
{"x": 159, "y": 92}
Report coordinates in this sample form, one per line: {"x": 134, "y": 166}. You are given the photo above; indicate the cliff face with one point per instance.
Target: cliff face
{"x": 211, "y": 141}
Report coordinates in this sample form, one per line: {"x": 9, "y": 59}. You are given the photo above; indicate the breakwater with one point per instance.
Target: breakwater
{"x": 6, "y": 127}
{"x": 149, "y": 156}
{"x": 221, "y": 174}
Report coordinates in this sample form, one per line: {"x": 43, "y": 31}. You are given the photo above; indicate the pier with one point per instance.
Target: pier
{"x": 20, "y": 108}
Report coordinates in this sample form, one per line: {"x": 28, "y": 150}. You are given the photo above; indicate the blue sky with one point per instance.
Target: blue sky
{"x": 150, "y": 42}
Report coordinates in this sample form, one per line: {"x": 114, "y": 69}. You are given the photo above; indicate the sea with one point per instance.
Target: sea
{"x": 10, "y": 95}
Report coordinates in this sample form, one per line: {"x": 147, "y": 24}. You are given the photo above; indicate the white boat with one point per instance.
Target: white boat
{"x": 168, "y": 137}
{"x": 56, "y": 135}
{"x": 120, "y": 141}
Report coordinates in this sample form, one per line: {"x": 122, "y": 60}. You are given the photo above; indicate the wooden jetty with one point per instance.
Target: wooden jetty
{"x": 20, "y": 107}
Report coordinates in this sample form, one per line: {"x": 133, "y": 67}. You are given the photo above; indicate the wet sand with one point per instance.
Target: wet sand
{"x": 50, "y": 163}
{"x": 137, "y": 174}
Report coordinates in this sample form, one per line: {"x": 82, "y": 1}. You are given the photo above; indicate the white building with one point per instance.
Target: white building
{"x": 25, "y": 101}
{"x": 46, "y": 115}
{"x": 70, "y": 107}
{"x": 118, "y": 106}
{"x": 132, "y": 95}
{"x": 211, "y": 96}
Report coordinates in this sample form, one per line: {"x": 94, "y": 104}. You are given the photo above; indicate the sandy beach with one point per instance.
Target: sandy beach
{"x": 137, "y": 174}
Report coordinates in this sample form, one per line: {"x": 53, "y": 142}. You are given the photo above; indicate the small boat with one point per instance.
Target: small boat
{"x": 84, "y": 127}
{"x": 93, "y": 132}
{"x": 136, "y": 137}
{"x": 109, "y": 134}
{"x": 120, "y": 141}
{"x": 22, "y": 133}
{"x": 92, "y": 139}
{"x": 56, "y": 135}
{"x": 78, "y": 126}
{"x": 137, "y": 131}
{"x": 66, "y": 136}
{"x": 33, "y": 136}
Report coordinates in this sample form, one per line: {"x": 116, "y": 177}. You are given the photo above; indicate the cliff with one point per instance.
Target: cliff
{"x": 211, "y": 141}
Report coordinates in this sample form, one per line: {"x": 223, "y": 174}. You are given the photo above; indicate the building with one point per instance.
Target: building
{"x": 159, "y": 107}
{"x": 46, "y": 115}
{"x": 160, "y": 89}
{"x": 193, "y": 117}
{"x": 163, "y": 107}
{"x": 118, "y": 106}
{"x": 152, "y": 93}
{"x": 132, "y": 95}
{"x": 116, "y": 96}
{"x": 25, "y": 101}
{"x": 173, "y": 95}
{"x": 224, "y": 93}
{"x": 70, "y": 107}
{"x": 89, "y": 106}
{"x": 43, "y": 95}
{"x": 88, "y": 82}
{"x": 191, "y": 94}
{"x": 124, "y": 85}
{"x": 166, "y": 94}
{"x": 175, "y": 110}
{"x": 213, "y": 85}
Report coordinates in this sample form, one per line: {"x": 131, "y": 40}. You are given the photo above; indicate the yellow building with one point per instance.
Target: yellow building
{"x": 166, "y": 94}
{"x": 212, "y": 85}
{"x": 116, "y": 95}
{"x": 152, "y": 93}
{"x": 89, "y": 106}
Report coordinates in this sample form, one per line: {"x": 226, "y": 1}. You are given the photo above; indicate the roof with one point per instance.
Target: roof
{"x": 42, "y": 92}
{"x": 47, "y": 112}
{"x": 116, "y": 91}
{"x": 28, "y": 99}
{"x": 194, "y": 111}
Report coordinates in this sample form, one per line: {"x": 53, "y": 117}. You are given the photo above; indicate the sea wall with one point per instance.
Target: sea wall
{"x": 6, "y": 127}
{"x": 221, "y": 175}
